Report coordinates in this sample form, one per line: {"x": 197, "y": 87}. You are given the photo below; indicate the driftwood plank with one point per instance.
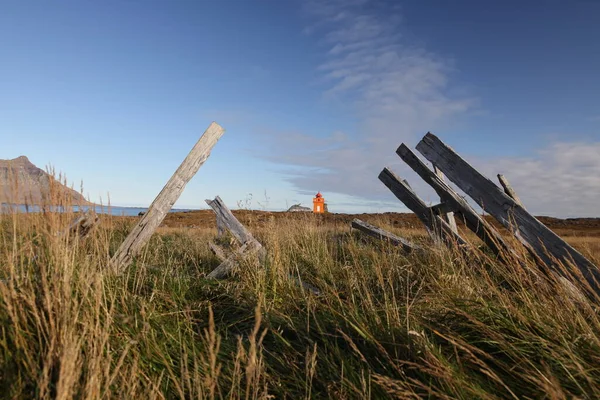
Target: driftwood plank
{"x": 217, "y": 251}
{"x": 83, "y": 224}
{"x": 528, "y": 229}
{"x": 449, "y": 215}
{"x": 436, "y": 226}
{"x": 220, "y": 227}
{"x": 228, "y": 266}
{"x": 249, "y": 245}
{"x": 442, "y": 208}
{"x": 509, "y": 190}
{"x": 159, "y": 208}
{"x": 472, "y": 220}
{"x": 229, "y": 221}
{"x": 570, "y": 289}
{"x": 380, "y": 234}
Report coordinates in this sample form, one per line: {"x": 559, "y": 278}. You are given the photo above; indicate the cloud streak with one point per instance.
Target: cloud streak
{"x": 393, "y": 88}
{"x": 398, "y": 91}
{"x": 562, "y": 179}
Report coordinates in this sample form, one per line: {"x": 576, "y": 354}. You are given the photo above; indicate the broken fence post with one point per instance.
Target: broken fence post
{"x": 220, "y": 227}
{"x": 217, "y": 251}
{"x": 449, "y": 215}
{"x": 451, "y": 200}
{"x": 161, "y": 205}
{"x": 226, "y": 219}
{"x": 249, "y": 245}
{"x": 435, "y": 225}
{"x": 82, "y": 225}
{"x": 569, "y": 287}
{"x": 509, "y": 190}
{"x": 514, "y": 217}
{"x": 230, "y": 263}
{"x": 442, "y": 208}
{"x": 380, "y": 234}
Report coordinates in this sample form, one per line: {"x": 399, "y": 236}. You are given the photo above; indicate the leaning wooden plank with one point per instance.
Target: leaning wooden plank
{"x": 472, "y": 220}
{"x": 448, "y": 216}
{"x": 159, "y": 208}
{"x": 249, "y": 244}
{"x": 380, "y": 234}
{"x": 432, "y": 222}
{"x": 220, "y": 227}
{"x": 442, "y": 208}
{"x": 228, "y": 220}
{"x": 82, "y": 225}
{"x": 509, "y": 190}
{"x": 526, "y": 227}
{"x": 570, "y": 289}
{"x": 217, "y": 251}
{"x": 228, "y": 266}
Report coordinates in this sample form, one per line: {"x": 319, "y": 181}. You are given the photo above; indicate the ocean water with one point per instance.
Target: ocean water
{"x": 113, "y": 210}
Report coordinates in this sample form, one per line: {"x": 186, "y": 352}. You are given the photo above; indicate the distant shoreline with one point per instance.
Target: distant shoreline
{"x": 100, "y": 209}
{"x": 134, "y": 211}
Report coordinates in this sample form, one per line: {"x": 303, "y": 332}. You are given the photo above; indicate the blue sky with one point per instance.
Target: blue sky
{"x": 314, "y": 96}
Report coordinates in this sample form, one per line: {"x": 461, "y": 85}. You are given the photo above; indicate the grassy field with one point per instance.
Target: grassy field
{"x": 386, "y": 325}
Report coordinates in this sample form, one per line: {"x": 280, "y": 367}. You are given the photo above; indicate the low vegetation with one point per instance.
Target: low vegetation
{"x": 386, "y": 324}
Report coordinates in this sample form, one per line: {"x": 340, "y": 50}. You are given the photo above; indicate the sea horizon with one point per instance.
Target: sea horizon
{"x": 126, "y": 211}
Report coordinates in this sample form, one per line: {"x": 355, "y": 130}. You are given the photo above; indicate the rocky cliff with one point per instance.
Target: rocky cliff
{"x": 21, "y": 182}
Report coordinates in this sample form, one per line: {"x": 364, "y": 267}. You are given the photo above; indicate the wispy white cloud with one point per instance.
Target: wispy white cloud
{"x": 562, "y": 179}
{"x": 396, "y": 90}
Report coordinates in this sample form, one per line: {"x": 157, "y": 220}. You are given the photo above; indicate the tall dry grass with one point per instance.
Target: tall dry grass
{"x": 386, "y": 325}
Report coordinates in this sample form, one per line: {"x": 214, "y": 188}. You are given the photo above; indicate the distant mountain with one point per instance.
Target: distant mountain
{"x": 21, "y": 182}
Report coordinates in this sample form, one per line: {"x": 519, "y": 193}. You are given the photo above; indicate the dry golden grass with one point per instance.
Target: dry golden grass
{"x": 386, "y": 325}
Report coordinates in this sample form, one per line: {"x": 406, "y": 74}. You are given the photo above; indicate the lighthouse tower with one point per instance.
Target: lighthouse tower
{"x": 318, "y": 204}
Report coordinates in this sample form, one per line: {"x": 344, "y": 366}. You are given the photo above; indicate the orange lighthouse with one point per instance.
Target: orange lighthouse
{"x": 319, "y": 204}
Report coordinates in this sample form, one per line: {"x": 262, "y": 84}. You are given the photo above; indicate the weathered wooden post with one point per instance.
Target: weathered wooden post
{"x": 226, "y": 219}
{"x": 569, "y": 287}
{"x": 435, "y": 225}
{"x": 249, "y": 245}
{"x": 451, "y": 201}
{"x": 161, "y": 205}
{"x": 82, "y": 225}
{"x": 509, "y": 190}
{"x": 448, "y": 216}
{"x": 528, "y": 229}
{"x": 220, "y": 227}
{"x": 378, "y": 233}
